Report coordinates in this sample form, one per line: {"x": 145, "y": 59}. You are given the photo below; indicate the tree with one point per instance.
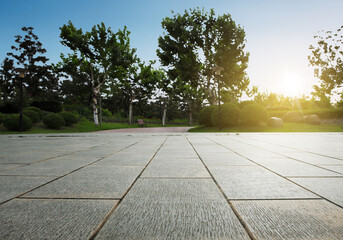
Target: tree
{"x": 40, "y": 83}
{"x": 6, "y": 79}
{"x": 326, "y": 58}
{"x": 101, "y": 51}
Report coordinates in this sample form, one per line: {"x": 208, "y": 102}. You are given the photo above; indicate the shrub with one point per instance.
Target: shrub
{"x": 11, "y": 122}
{"x": 50, "y": 106}
{"x": 9, "y": 107}
{"x": 32, "y": 115}
{"x": 37, "y": 110}
{"x": 242, "y": 104}
{"x": 205, "y": 116}
{"x": 2, "y": 116}
{"x": 229, "y": 115}
{"x": 53, "y": 120}
{"x": 69, "y": 118}
{"x": 106, "y": 113}
{"x": 253, "y": 115}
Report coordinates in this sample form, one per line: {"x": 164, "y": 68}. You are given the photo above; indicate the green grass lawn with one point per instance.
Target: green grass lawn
{"x": 81, "y": 126}
{"x": 287, "y": 127}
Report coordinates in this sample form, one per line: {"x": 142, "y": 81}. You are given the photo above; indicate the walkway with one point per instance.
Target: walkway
{"x": 171, "y": 186}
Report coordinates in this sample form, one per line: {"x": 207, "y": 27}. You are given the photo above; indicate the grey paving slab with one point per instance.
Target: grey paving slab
{"x": 12, "y": 186}
{"x": 8, "y": 166}
{"x": 127, "y": 158}
{"x": 51, "y": 219}
{"x": 329, "y": 188}
{"x": 167, "y": 154}
{"x": 29, "y": 157}
{"x": 290, "y": 219}
{"x": 224, "y": 159}
{"x": 53, "y": 167}
{"x": 177, "y": 168}
{"x": 314, "y": 158}
{"x": 91, "y": 182}
{"x": 173, "y": 209}
{"x": 338, "y": 168}
{"x": 254, "y": 182}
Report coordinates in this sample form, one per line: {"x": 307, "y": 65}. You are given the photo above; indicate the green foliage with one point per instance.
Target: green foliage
{"x": 2, "y": 116}
{"x": 229, "y": 115}
{"x": 32, "y": 115}
{"x": 253, "y": 115}
{"x": 49, "y": 106}
{"x": 245, "y": 103}
{"x": 9, "y": 107}
{"x": 334, "y": 113}
{"x": 69, "y": 118}
{"x": 106, "y": 113}
{"x": 37, "y": 110}
{"x": 11, "y": 122}
{"x": 205, "y": 116}
{"x": 54, "y": 121}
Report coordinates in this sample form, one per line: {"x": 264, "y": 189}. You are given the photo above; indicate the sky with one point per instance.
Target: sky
{"x": 278, "y": 32}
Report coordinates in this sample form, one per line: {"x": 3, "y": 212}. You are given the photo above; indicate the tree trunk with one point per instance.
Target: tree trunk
{"x": 164, "y": 116}
{"x": 130, "y": 114}
{"x": 95, "y": 111}
{"x": 190, "y": 109}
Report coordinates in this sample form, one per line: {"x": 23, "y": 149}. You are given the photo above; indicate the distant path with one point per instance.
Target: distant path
{"x": 149, "y": 129}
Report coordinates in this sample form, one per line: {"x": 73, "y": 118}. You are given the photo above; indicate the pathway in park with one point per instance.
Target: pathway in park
{"x": 171, "y": 186}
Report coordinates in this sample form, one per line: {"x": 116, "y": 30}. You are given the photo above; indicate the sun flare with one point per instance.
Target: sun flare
{"x": 291, "y": 85}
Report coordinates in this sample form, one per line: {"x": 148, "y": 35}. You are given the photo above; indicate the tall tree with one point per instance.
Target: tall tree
{"x": 7, "y": 75}
{"x": 326, "y": 58}
{"x": 103, "y": 51}
{"x": 40, "y": 83}
{"x": 196, "y": 42}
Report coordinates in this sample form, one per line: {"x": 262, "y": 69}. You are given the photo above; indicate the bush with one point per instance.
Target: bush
{"x": 37, "y": 110}
{"x": 11, "y": 122}
{"x": 2, "y": 116}
{"x": 242, "y": 104}
{"x": 106, "y": 113}
{"x": 53, "y": 120}
{"x": 9, "y": 107}
{"x": 50, "y": 106}
{"x": 253, "y": 115}
{"x": 229, "y": 115}
{"x": 69, "y": 118}
{"x": 32, "y": 115}
{"x": 205, "y": 116}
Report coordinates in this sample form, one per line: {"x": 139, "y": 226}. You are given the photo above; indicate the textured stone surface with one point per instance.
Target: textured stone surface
{"x": 337, "y": 168}
{"x": 176, "y": 168}
{"x": 12, "y": 186}
{"x": 126, "y": 158}
{"x": 8, "y": 166}
{"x": 289, "y": 219}
{"x": 53, "y": 167}
{"x": 51, "y": 219}
{"x": 329, "y": 188}
{"x": 314, "y": 158}
{"x": 173, "y": 209}
{"x": 254, "y": 182}
{"x": 91, "y": 182}
{"x": 224, "y": 159}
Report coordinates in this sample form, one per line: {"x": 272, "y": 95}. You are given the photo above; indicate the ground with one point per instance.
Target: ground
{"x": 176, "y": 185}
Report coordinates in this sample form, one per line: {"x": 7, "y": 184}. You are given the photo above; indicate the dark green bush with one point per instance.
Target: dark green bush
{"x": 11, "y": 122}
{"x": 50, "y": 106}
{"x": 253, "y": 115}
{"x": 53, "y": 120}
{"x": 205, "y": 116}
{"x": 37, "y": 110}
{"x": 9, "y": 107}
{"x": 2, "y": 116}
{"x": 106, "y": 113}
{"x": 69, "y": 118}
{"x": 229, "y": 115}
{"x": 32, "y": 115}
{"x": 242, "y": 104}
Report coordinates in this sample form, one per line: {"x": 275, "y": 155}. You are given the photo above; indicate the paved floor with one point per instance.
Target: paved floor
{"x": 171, "y": 186}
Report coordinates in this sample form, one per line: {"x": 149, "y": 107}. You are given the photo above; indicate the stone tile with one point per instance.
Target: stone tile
{"x": 315, "y": 158}
{"x": 292, "y": 219}
{"x": 54, "y": 167}
{"x": 180, "y": 168}
{"x": 8, "y": 166}
{"x": 30, "y": 157}
{"x": 224, "y": 159}
{"x": 12, "y": 186}
{"x": 51, "y": 219}
{"x": 329, "y": 188}
{"x": 91, "y": 182}
{"x": 126, "y": 159}
{"x": 337, "y": 168}
{"x": 173, "y": 209}
{"x": 171, "y": 155}
{"x": 254, "y": 182}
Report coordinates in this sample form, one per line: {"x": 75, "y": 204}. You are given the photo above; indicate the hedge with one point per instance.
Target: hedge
{"x": 229, "y": 115}
{"x": 11, "y": 122}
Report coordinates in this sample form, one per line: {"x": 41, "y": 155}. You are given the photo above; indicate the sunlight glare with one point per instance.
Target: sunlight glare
{"x": 291, "y": 85}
